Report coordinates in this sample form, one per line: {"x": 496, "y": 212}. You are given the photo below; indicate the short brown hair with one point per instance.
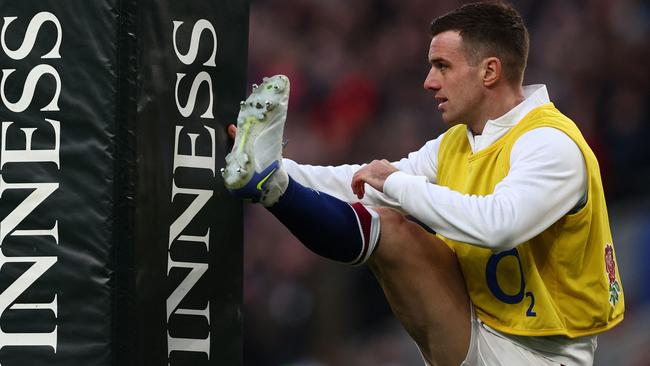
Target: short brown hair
{"x": 489, "y": 29}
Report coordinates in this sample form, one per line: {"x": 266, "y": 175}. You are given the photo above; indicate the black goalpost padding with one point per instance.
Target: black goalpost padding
{"x": 118, "y": 243}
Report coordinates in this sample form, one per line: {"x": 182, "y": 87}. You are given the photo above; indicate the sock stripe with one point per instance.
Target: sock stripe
{"x": 365, "y": 221}
{"x": 332, "y": 228}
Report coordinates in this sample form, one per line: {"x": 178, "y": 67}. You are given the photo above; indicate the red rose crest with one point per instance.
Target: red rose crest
{"x": 610, "y": 266}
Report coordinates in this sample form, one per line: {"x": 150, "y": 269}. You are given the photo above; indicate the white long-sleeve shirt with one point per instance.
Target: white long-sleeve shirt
{"x": 546, "y": 180}
{"x": 547, "y": 173}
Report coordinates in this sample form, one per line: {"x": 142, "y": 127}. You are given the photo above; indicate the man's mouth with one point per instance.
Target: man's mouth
{"x": 441, "y": 101}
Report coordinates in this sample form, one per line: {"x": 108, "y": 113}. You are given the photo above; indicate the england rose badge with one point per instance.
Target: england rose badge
{"x": 610, "y": 266}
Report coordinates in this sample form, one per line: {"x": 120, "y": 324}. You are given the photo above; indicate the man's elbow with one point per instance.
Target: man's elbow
{"x": 501, "y": 239}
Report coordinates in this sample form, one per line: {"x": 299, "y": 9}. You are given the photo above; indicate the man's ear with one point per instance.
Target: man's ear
{"x": 492, "y": 71}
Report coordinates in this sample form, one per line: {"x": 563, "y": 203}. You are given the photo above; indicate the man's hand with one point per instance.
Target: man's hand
{"x": 232, "y": 131}
{"x": 374, "y": 174}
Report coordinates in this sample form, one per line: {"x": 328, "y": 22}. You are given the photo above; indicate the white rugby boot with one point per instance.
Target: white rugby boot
{"x": 254, "y": 166}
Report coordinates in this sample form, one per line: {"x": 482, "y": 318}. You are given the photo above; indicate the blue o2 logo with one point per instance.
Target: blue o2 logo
{"x": 493, "y": 283}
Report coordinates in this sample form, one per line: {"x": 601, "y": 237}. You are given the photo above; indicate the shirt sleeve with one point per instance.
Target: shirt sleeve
{"x": 336, "y": 180}
{"x": 547, "y": 178}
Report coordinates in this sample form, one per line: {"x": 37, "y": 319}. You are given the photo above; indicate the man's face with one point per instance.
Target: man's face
{"x": 457, "y": 85}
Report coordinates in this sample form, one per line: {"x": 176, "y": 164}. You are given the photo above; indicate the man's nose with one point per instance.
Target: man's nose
{"x": 431, "y": 82}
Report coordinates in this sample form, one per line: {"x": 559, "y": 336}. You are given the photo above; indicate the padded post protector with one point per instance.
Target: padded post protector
{"x": 118, "y": 243}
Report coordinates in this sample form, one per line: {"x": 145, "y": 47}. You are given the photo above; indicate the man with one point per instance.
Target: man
{"x": 522, "y": 270}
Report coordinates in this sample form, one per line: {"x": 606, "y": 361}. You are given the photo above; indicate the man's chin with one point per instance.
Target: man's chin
{"x": 450, "y": 120}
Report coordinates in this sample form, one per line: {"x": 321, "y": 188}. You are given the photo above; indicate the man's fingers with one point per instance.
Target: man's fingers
{"x": 232, "y": 131}
{"x": 374, "y": 174}
{"x": 357, "y": 186}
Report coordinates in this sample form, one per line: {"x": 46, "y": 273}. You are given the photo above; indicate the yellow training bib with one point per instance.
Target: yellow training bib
{"x": 565, "y": 280}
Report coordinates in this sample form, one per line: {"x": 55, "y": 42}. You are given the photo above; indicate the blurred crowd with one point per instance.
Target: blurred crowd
{"x": 356, "y": 70}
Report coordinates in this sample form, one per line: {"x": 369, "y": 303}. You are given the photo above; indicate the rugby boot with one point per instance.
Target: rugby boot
{"x": 254, "y": 166}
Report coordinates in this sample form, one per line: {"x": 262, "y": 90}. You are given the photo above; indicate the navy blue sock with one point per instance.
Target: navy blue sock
{"x": 326, "y": 225}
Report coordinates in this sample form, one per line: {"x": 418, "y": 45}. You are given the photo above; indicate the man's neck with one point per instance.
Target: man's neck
{"x": 496, "y": 104}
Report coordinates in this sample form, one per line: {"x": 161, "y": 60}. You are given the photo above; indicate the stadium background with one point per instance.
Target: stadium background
{"x": 357, "y": 69}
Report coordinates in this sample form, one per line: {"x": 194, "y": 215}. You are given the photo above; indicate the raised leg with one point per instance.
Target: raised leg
{"x": 420, "y": 275}
{"x": 424, "y": 286}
